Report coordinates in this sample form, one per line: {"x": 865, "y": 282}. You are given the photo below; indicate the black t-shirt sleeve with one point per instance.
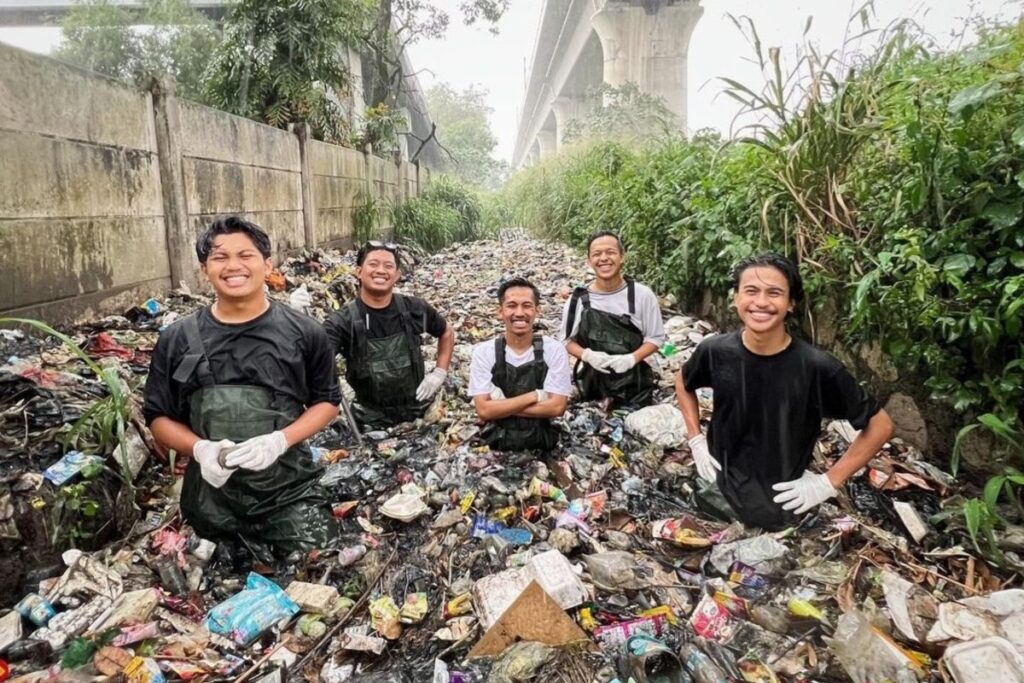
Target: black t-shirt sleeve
{"x": 697, "y": 370}
{"x": 842, "y": 398}
{"x": 338, "y": 328}
{"x": 161, "y": 396}
{"x": 425, "y": 314}
{"x": 321, "y": 372}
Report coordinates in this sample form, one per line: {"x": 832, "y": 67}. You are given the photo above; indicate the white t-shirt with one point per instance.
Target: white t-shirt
{"x": 646, "y": 314}
{"x": 558, "y": 380}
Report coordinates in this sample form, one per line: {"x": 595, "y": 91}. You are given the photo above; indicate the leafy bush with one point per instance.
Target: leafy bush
{"x": 445, "y": 212}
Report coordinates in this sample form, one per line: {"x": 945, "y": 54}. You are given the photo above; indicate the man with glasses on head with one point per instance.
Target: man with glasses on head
{"x": 379, "y": 336}
{"x": 613, "y": 326}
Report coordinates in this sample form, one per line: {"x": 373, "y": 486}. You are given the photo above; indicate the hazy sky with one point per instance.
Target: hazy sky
{"x": 498, "y": 63}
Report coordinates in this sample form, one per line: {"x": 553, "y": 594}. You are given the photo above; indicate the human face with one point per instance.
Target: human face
{"x": 518, "y": 311}
{"x": 762, "y": 299}
{"x": 379, "y": 272}
{"x": 236, "y": 268}
{"x": 605, "y": 258}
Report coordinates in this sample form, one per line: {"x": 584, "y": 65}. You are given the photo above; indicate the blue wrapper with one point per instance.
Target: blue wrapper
{"x": 244, "y": 616}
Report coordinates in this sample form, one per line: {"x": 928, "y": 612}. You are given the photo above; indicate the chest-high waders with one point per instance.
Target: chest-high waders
{"x": 281, "y": 506}
{"x": 520, "y": 433}
{"x": 385, "y": 372}
{"x": 615, "y": 335}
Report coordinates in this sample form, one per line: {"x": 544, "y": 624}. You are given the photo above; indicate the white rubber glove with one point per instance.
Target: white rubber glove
{"x": 497, "y": 394}
{"x": 300, "y": 299}
{"x": 259, "y": 452}
{"x": 541, "y": 395}
{"x": 206, "y": 453}
{"x": 430, "y": 384}
{"x": 621, "y": 363}
{"x": 707, "y": 467}
{"x": 809, "y": 491}
{"x": 596, "y": 359}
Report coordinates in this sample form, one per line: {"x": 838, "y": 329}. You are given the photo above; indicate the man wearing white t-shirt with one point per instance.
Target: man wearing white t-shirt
{"x": 520, "y": 381}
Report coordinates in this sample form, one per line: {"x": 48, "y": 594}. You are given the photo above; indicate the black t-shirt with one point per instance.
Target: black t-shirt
{"x": 282, "y": 350}
{"x": 383, "y": 322}
{"x": 768, "y": 412}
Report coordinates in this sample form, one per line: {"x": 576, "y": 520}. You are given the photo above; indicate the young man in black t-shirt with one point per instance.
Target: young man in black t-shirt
{"x": 239, "y": 386}
{"x": 379, "y": 336}
{"x": 771, "y": 392}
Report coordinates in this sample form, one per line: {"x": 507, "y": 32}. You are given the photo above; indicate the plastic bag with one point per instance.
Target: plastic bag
{"x": 614, "y": 571}
{"x": 244, "y": 616}
{"x": 661, "y": 425}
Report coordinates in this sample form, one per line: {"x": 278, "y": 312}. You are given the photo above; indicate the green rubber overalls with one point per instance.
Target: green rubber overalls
{"x": 385, "y": 372}
{"x": 612, "y": 334}
{"x": 520, "y": 433}
{"x": 281, "y": 506}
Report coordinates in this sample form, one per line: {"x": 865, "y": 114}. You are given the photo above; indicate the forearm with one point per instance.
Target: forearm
{"x": 645, "y": 350}
{"x": 315, "y": 418}
{"x": 688, "y": 406}
{"x": 174, "y": 435}
{"x": 574, "y": 349}
{"x": 864, "y": 447}
{"x": 551, "y": 407}
{"x": 445, "y": 348}
{"x": 490, "y": 409}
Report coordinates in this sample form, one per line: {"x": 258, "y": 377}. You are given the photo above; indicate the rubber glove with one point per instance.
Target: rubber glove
{"x": 497, "y": 394}
{"x": 430, "y": 384}
{"x": 809, "y": 491}
{"x": 596, "y": 359}
{"x": 621, "y": 363}
{"x": 300, "y": 299}
{"x": 707, "y": 467}
{"x": 259, "y": 452}
{"x": 541, "y": 395}
{"x": 206, "y": 453}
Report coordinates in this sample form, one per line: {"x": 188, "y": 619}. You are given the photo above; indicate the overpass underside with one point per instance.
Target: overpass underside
{"x": 582, "y": 44}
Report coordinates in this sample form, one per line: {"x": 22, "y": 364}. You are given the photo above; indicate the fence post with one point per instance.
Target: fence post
{"x": 167, "y": 126}
{"x": 301, "y": 131}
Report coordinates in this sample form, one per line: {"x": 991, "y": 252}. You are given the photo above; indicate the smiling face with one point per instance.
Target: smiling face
{"x": 236, "y": 268}
{"x": 605, "y": 257}
{"x": 762, "y": 299}
{"x": 379, "y": 272}
{"x": 518, "y": 311}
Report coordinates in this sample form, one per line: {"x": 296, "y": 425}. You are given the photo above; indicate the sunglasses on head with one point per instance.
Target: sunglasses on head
{"x": 370, "y": 245}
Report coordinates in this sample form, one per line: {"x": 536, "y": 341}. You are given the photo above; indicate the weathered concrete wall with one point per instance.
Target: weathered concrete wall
{"x": 79, "y": 190}
{"x": 103, "y": 188}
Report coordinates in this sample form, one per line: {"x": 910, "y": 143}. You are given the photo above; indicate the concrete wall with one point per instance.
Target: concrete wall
{"x": 103, "y": 188}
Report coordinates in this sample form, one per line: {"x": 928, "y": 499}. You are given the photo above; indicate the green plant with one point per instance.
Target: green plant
{"x": 366, "y": 217}
{"x": 445, "y": 212}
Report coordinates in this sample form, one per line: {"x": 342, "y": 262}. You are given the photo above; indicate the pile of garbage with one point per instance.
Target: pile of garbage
{"x": 456, "y": 563}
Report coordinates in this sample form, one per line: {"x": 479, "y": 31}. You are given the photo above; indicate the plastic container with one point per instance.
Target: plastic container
{"x": 985, "y": 661}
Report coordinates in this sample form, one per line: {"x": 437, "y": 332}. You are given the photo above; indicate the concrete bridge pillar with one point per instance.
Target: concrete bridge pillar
{"x": 567, "y": 109}
{"x": 547, "y": 143}
{"x": 646, "y": 43}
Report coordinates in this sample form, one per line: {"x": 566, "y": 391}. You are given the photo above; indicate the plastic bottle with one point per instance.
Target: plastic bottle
{"x": 171, "y": 577}
{"x": 700, "y": 665}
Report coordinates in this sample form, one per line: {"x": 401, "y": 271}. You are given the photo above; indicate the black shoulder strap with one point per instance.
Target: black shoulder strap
{"x": 631, "y": 295}
{"x": 579, "y": 294}
{"x": 540, "y": 368}
{"x": 195, "y": 361}
{"x": 499, "y": 354}
{"x": 358, "y": 320}
{"x": 538, "y": 347}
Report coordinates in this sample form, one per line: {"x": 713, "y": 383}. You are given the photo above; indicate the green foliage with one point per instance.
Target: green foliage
{"x": 167, "y": 37}
{"x": 446, "y": 212}
{"x": 367, "y": 217}
{"x": 625, "y": 115}
{"x": 282, "y": 62}
{"x": 464, "y": 129}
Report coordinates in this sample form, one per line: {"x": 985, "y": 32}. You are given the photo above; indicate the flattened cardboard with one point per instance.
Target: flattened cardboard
{"x": 535, "y": 617}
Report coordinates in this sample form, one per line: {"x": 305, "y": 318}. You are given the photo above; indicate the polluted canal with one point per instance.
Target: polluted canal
{"x": 455, "y": 563}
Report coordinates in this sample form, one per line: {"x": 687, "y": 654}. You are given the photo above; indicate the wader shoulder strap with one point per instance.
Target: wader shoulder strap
{"x": 357, "y": 313}
{"x": 631, "y": 295}
{"x": 540, "y": 368}
{"x": 195, "y": 360}
{"x": 499, "y": 355}
{"x": 580, "y": 294}
{"x": 406, "y": 315}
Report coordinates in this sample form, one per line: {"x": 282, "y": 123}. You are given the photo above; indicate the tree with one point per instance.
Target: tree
{"x": 166, "y": 37}
{"x": 282, "y": 62}
{"x": 627, "y": 115}
{"x": 464, "y": 130}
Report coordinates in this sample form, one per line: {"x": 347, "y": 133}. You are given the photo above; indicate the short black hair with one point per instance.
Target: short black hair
{"x": 365, "y": 250}
{"x": 227, "y": 225}
{"x": 778, "y": 262}
{"x": 518, "y": 282}
{"x": 606, "y": 233}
